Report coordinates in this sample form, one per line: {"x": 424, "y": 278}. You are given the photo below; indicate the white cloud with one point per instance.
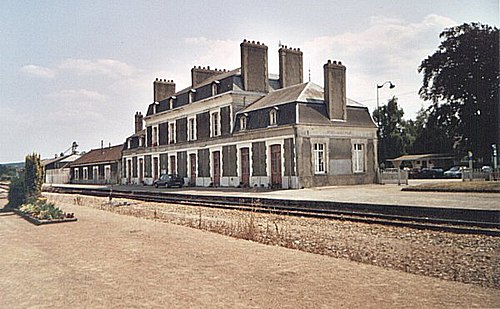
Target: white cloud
{"x": 108, "y": 67}
{"x": 221, "y": 54}
{"x": 388, "y": 49}
{"x": 78, "y": 95}
{"x": 38, "y": 71}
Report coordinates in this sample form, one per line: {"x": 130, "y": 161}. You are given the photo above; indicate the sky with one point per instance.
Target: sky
{"x": 79, "y": 70}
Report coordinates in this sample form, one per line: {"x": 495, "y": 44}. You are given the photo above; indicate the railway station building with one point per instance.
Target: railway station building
{"x": 245, "y": 127}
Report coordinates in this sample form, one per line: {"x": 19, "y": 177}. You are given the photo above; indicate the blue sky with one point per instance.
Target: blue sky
{"x": 79, "y": 70}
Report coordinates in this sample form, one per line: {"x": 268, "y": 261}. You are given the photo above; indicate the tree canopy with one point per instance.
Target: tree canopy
{"x": 393, "y": 134}
{"x": 461, "y": 79}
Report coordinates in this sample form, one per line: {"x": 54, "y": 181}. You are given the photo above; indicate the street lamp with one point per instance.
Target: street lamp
{"x": 391, "y": 85}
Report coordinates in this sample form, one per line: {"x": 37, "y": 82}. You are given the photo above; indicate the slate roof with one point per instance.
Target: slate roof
{"x": 306, "y": 93}
{"x": 100, "y": 155}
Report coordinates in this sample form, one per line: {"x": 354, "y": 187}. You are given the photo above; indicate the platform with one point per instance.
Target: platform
{"x": 363, "y": 194}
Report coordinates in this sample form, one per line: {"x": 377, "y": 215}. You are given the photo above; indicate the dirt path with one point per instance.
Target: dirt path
{"x": 110, "y": 260}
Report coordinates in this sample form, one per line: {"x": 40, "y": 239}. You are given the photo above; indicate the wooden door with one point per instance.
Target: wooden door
{"x": 141, "y": 171}
{"x": 276, "y": 166}
{"x": 173, "y": 165}
{"x": 245, "y": 167}
{"x": 216, "y": 168}
{"x": 129, "y": 171}
{"x": 192, "y": 167}
{"x": 155, "y": 168}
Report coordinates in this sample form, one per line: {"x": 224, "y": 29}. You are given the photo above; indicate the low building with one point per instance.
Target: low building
{"x": 244, "y": 127}
{"x": 57, "y": 170}
{"x": 427, "y": 160}
{"x": 98, "y": 166}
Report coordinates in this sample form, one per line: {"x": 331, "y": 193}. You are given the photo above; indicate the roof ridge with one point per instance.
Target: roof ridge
{"x": 303, "y": 90}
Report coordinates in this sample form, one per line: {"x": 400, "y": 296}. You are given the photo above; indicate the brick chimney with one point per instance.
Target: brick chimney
{"x": 254, "y": 69}
{"x": 163, "y": 89}
{"x": 138, "y": 122}
{"x": 335, "y": 92}
{"x": 200, "y": 74}
{"x": 291, "y": 66}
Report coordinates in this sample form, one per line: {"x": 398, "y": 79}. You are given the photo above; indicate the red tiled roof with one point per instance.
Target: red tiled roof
{"x": 100, "y": 155}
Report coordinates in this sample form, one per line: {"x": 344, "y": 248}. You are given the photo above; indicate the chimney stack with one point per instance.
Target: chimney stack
{"x": 335, "y": 90}
{"x": 254, "y": 68}
{"x": 138, "y": 122}
{"x": 200, "y": 74}
{"x": 291, "y": 66}
{"x": 163, "y": 89}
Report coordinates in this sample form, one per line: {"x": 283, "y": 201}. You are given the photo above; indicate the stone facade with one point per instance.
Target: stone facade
{"x": 243, "y": 128}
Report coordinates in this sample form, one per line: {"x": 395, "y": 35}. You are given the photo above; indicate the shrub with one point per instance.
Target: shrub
{"x": 16, "y": 193}
{"x": 41, "y": 209}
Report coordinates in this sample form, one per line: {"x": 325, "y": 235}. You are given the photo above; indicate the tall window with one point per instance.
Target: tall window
{"x": 85, "y": 173}
{"x": 319, "y": 158}
{"x": 243, "y": 123}
{"x": 155, "y": 136}
{"x": 191, "y": 134}
{"x": 171, "y": 132}
{"x": 215, "y": 126}
{"x": 272, "y": 117}
{"x": 77, "y": 174}
{"x": 359, "y": 159}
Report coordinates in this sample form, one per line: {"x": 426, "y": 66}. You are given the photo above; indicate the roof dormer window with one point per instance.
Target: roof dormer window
{"x": 171, "y": 102}
{"x": 215, "y": 88}
{"x": 191, "y": 95}
{"x": 273, "y": 116}
{"x": 243, "y": 122}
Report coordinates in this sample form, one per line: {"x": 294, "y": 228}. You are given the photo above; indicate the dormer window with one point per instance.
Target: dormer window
{"x": 273, "y": 116}
{"x": 171, "y": 102}
{"x": 215, "y": 88}
{"x": 191, "y": 95}
{"x": 243, "y": 123}
{"x": 140, "y": 141}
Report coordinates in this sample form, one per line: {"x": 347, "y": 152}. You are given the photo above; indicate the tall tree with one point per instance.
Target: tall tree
{"x": 392, "y": 133}
{"x": 33, "y": 176}
{"x": 461, "y": 79}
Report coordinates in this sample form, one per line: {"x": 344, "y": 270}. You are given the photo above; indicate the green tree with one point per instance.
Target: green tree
{"x": 33, "y": 176}
{"x": 394, "y": 135}
{"x": 16, "y": 193}
{"x": 461, "y": 79}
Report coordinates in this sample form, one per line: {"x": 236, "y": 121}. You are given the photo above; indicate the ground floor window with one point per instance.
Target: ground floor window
{"x": 77, "y": 174}
{"x": 319, "y": 158}
{"x": 85, "y": 173}
{"x": 359, "y": 158}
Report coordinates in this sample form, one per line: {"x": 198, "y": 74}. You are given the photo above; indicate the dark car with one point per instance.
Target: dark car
{"x": 169, "y": 180}
{"x": 435, "y": 172}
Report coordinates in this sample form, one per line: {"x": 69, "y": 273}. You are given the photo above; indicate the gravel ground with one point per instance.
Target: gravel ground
{"x": 464, "y": 258}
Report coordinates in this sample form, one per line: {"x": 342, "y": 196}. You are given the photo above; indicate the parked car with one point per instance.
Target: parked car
{"x": 486, "y": 169}
{"x": 454, "y": 172}
{"x": 169, "y": 180}
{"x": 435, "y": 172}
{"x": 413, "y": 173}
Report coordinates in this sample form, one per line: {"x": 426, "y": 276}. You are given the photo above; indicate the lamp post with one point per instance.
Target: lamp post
{"x": 391, "y": 85}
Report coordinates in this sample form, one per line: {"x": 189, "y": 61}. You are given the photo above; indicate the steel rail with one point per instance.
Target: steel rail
{"x": 365, "y": 213}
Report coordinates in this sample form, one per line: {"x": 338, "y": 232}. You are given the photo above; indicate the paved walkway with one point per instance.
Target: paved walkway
{"x": 107, "y": 260}
{"x": 368, "y": 194}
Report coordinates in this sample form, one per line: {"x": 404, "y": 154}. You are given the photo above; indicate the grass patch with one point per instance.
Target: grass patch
{"x": 465, "y": 186}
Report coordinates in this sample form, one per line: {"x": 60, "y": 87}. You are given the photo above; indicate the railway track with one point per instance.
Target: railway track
{"x": 466, "y": 221}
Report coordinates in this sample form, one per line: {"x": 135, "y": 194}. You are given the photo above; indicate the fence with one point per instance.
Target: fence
{"x": 480, "y": 174}
{"x": 393, "y": 176}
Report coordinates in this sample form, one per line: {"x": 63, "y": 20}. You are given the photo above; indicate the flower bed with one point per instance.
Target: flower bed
{"x": 42, "y": 212}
